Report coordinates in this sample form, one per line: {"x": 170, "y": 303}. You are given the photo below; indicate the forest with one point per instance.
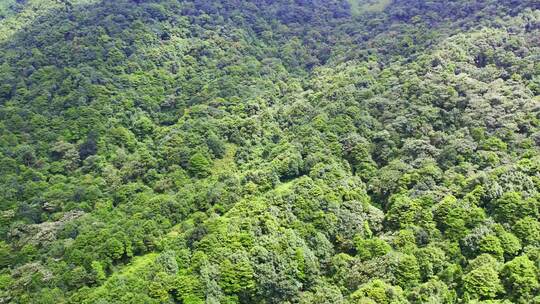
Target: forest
{"x": 270, "y": 151}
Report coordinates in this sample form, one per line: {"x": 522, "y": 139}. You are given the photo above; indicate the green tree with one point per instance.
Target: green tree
{"x": 432, "y": 291}
{"x": 527, "y": 230}
{"x": 5, "y": 254}
{"x": 98, "y": 272}
{"x": 370, "y": 248}
{"x": 512, "y": 206}
{"x": 237, "y": 278}
{"x": 492, "y": 245}
{"x": 406, "y": 271}
{"x": 520, "y": 278}
{"x": 114, "y": 249}
{"x": 404, "y": 212}
{"x": 216, "y": 145}
{"x": 482, "y": 282}
{"x": 199, "y": 165}
{"x": 377, "y": 291}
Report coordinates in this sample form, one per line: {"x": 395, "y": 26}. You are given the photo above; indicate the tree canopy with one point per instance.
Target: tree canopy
{"x": 197, "y": 151}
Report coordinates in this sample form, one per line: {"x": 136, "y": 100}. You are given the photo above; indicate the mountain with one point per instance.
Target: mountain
{"x": 269, "y": 151}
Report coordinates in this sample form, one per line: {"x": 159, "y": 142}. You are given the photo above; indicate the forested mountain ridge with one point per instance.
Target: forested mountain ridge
{"x": 269, "y": 151}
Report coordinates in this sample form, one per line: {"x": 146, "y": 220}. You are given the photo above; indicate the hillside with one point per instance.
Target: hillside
{"x": 267, "y": 151}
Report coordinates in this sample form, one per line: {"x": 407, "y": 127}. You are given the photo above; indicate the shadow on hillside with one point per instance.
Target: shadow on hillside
{"x": 68, "y": 35}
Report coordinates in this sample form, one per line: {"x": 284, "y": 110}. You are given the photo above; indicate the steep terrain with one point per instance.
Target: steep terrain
{"x": 265, "y": 151}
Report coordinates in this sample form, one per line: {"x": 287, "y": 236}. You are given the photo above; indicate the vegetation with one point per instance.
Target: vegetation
{"x": 196, "y": 151}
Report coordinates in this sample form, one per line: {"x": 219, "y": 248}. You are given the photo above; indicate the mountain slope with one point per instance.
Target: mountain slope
{"x": 269, "y": 152}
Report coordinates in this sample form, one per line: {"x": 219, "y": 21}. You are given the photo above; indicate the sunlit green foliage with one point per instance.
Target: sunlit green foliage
{"x": 224, "y": 151}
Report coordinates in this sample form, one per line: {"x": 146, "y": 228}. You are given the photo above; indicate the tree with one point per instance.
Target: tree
{"x": 287, "y": 161}
{"x": 89, "y": 146}
{"x": 512, "y": 207}
{"x": 160, "y": 286}
{"x": 5, "y": 254}
{"x": 216, "y": 146}
{"x": 199, "y": 165}
{"x": 26, "y": 155}
{"x": 377, "y": 291}
{"x": 67, "y": 154}
{"x": 406, "y": 270}
{"x": 404, "y": 212}
{"x": 237, "y": 278}
{"x": 166, "y": 262}
{"x": 322, "y": 293}
{"x": 371, "y": 248}
{"x": 509, "y": 242}
{"x": 520, "y": 278}
{"x": 114, "y": 249}
{"x": 433, "y": 291}
{"x": 482, "y": 281}
{"x": 492, "y": 245}
{"x": 431, "y": 261}
{"x": 527, "y": 230}
{"x": 98, "y": 272}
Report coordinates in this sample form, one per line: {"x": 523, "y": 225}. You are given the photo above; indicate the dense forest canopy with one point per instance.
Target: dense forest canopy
{"x": 269, "y": 151}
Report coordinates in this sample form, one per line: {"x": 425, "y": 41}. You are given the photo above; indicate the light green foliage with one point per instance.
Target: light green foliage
{"x": 378, "y": 292}
{"x": 323, "y": 293}
{"x": 482, "y": 279}
{"x": 527, "y": 230}
{"x": 5, "y": 254}
{"x": 115, "y": 248}
{"x": 509, "y": 242}
{"x": 269, "y": 152}
{"x": 98, "y": 271}
{"x": 371, "y": 248}
{"x": 407, "y": 271}
{"x": 405, "y": 212}
{"x": 431, "y": 261}
{"x": 520, "y": 277}
{"x": 199, "y": 165}
{"x": 368, "y": 6}
{"x": 492, "y": 245}
{"x": 512, "y": 207}
{"x": 238, "y": 277}
{"x": 433, "y": 291}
